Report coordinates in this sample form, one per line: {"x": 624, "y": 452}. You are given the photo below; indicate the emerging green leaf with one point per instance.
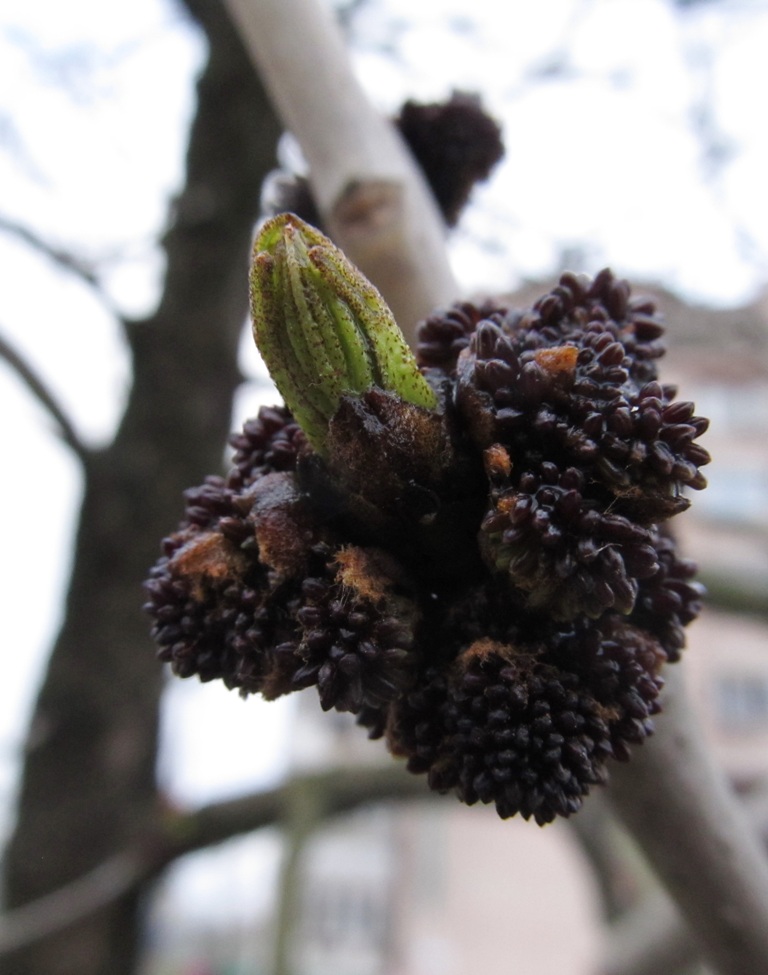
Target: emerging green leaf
{"x": 322, "y": 328}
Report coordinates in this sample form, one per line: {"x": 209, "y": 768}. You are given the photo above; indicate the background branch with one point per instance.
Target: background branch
{"x": 603, "y": 842}
{"x": 652, "y": 937}
{"x": 61, "y": 257}
{"x": 649, "y": 940}
{"x": 81, "y": 268}
{"x": 683, "y": 815}
{"x": 178, "y": 833}
{"x": 100, "y": 887}
{"x": 303, "y": 814}
{"x": 45, "y": 397}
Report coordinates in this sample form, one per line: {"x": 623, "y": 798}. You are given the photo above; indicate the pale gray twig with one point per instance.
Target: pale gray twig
{"x": 370, "y": 192}
{"x": 684, "y": 816}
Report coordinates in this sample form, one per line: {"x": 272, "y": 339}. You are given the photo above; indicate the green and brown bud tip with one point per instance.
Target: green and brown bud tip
{"x": 322, "y": 328}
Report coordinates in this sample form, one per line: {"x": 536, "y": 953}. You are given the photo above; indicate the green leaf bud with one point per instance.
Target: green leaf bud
{"x": 322, "y": 328}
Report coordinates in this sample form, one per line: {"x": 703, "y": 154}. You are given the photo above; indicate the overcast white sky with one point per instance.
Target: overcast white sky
{"x": 635, "y": 136}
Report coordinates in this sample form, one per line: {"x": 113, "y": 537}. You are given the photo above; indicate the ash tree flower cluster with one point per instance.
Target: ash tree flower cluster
{"x": 467, "y": 549}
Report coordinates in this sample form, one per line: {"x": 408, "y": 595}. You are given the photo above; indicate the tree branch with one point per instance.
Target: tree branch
{"x": 601, "y": 838}
{"x": 372, "y": 196}
{"x": 99, "y": 887}
{"x": 58, "y": 255}
{"x": 62, "y": 258}
{"x": 343, "y": 789}
{"x": 652, "y": 937}
{"x": 684, "y": 816}
{"x": 45, "y": 397}
{"x": 302, "y": 816}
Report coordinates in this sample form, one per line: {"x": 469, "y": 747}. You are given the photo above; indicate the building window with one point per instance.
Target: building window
{"x": 742, "y": 702}
{"x": 737, "y": 493}
{"x": 733, "y": 408}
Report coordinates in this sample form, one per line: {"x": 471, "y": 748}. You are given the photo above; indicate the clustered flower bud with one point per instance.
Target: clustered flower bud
{"x": 586, "y": 450}
{"x": 519, "y": 733}
{"x": 357, "y": 634}
{"x": 455, "y": 143}
{"x": 469, "y": 550}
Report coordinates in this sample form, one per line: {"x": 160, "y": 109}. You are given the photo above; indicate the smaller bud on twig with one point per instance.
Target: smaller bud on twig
{"x": 322, "y": 328}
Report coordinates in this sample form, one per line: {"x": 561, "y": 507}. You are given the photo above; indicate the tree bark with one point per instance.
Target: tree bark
{"x": 88, "y": 785}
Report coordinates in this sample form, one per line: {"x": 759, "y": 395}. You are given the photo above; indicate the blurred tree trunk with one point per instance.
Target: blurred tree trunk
{"x": 88, "y": 783}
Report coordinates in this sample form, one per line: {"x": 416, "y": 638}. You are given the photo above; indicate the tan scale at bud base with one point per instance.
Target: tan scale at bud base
{"x": 322, "y": 328}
